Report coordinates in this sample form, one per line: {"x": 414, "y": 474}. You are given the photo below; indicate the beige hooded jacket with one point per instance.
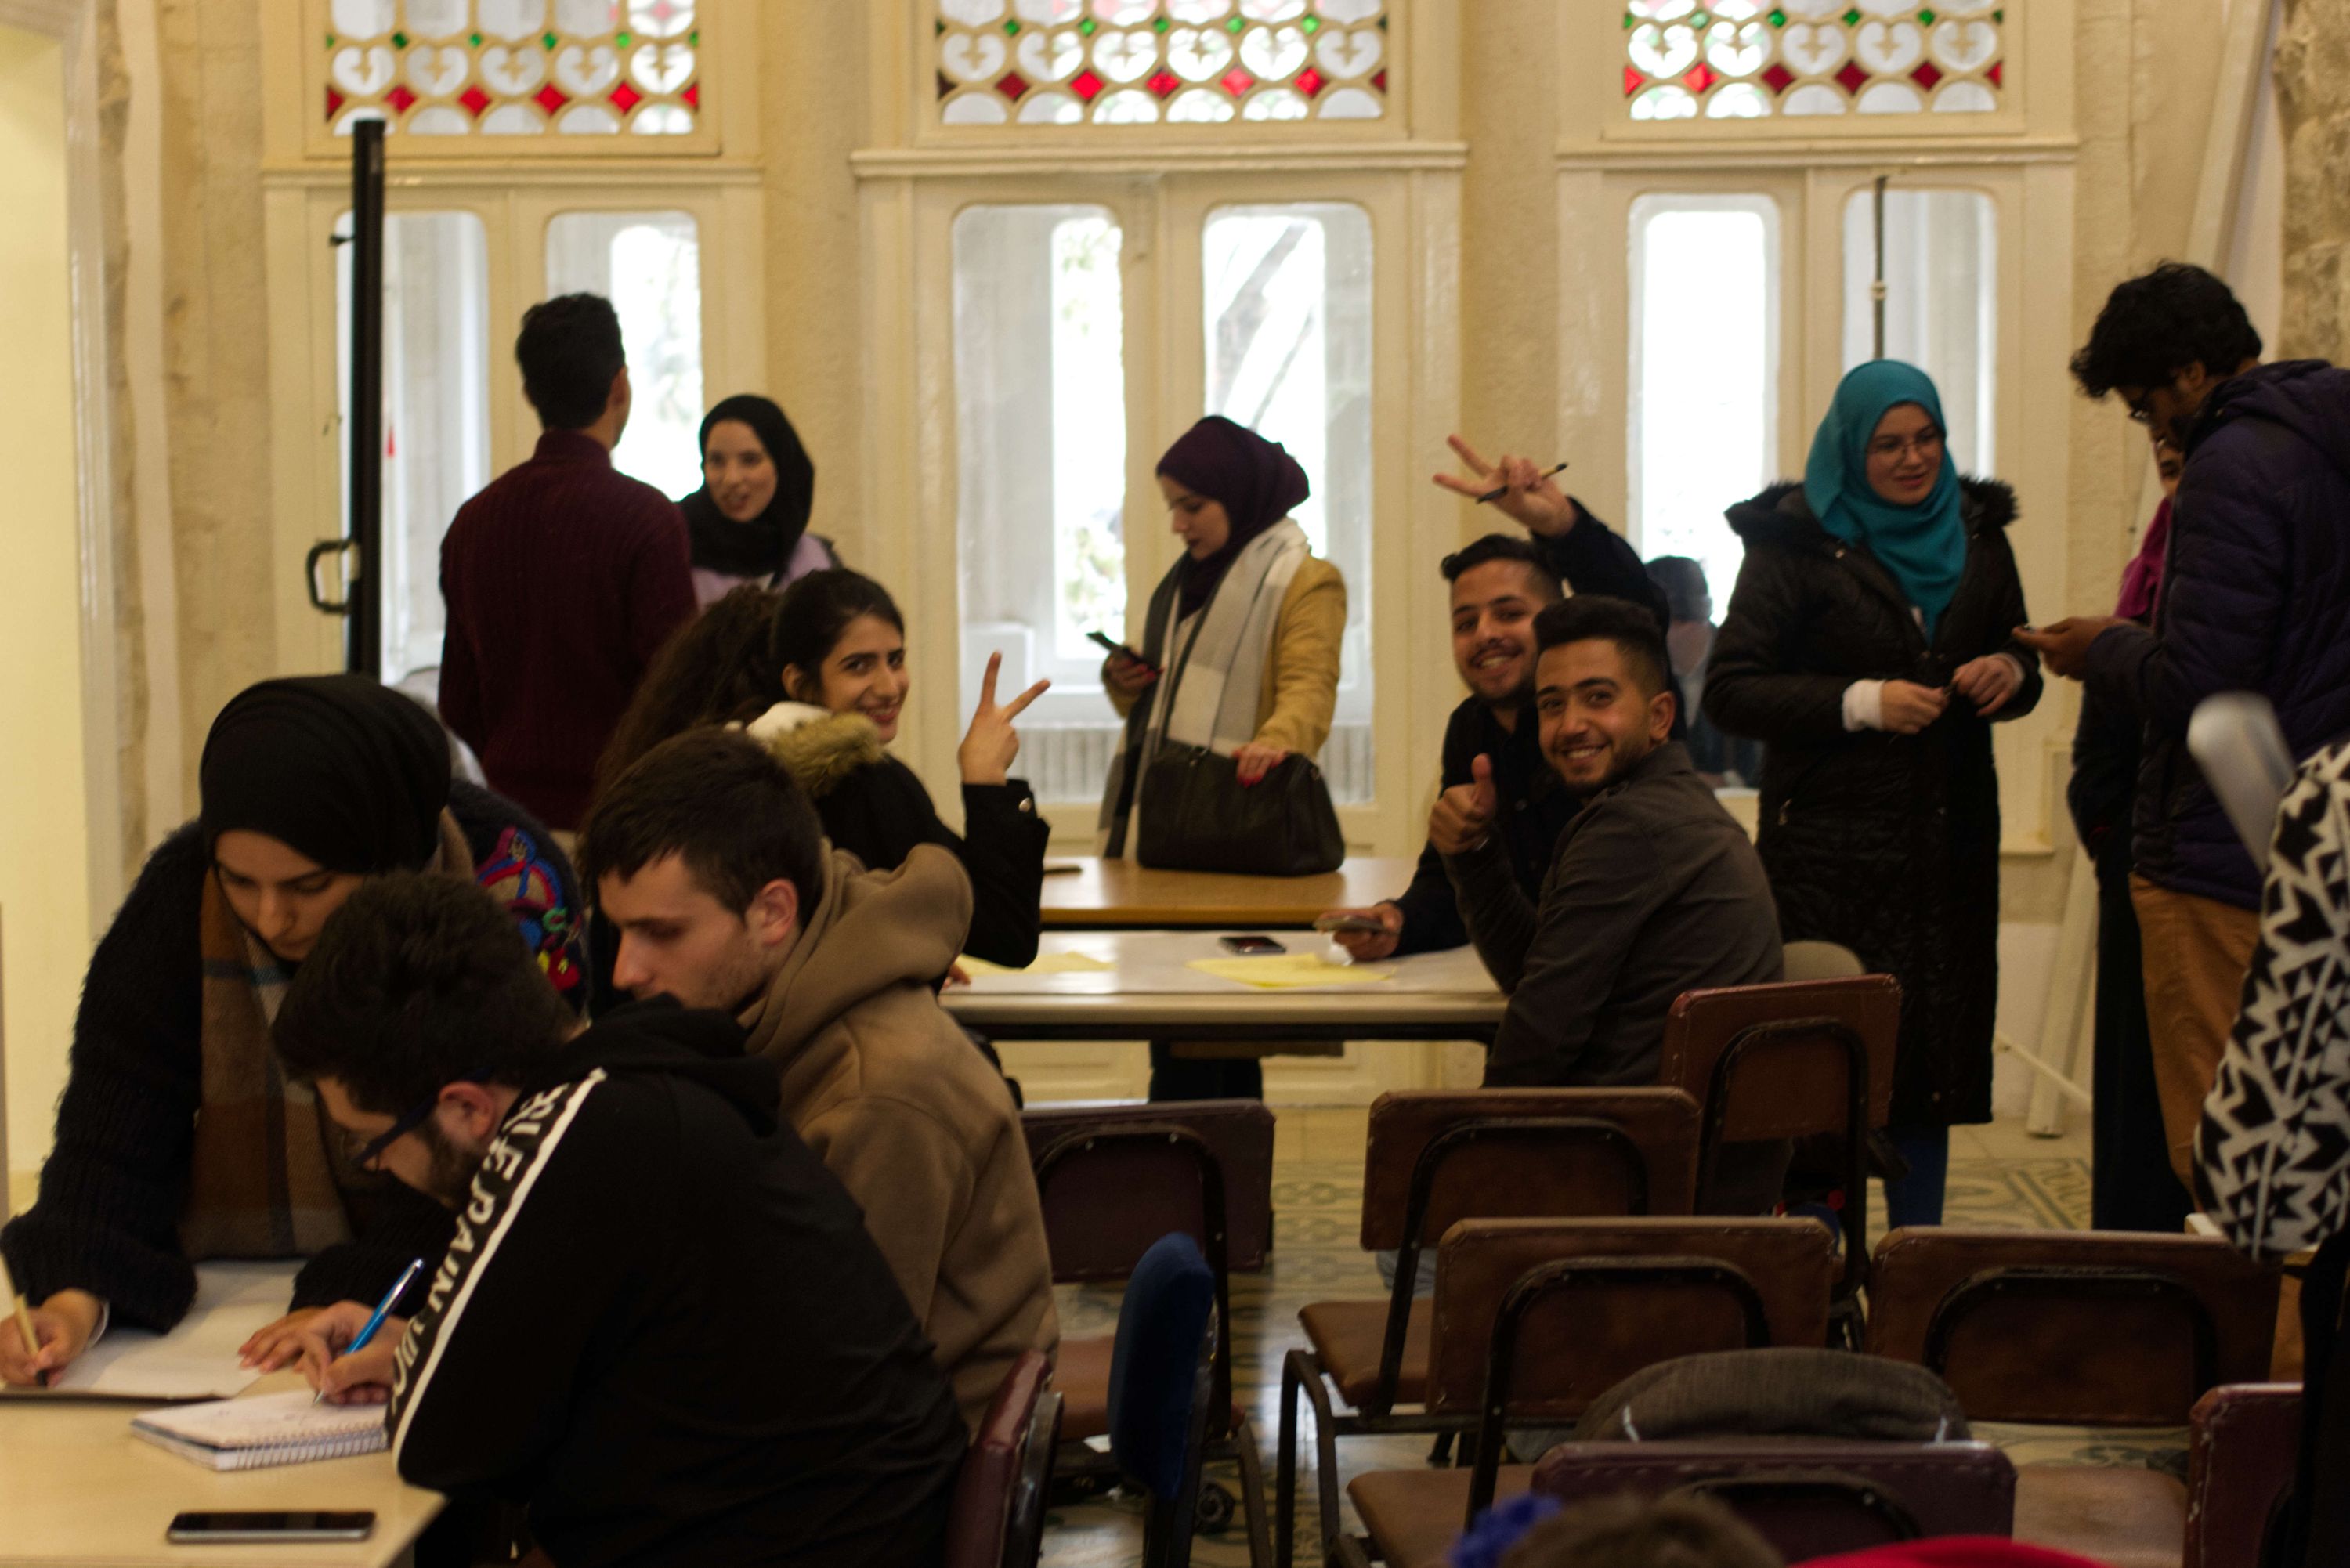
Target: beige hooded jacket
{"x": 896, "y": 1101}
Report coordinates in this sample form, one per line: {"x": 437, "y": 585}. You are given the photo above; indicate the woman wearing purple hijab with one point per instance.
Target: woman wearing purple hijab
{"x": 1255, "y": 620}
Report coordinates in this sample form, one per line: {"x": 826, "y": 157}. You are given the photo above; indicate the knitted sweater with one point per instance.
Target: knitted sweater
{"x": 107, "y": 1220}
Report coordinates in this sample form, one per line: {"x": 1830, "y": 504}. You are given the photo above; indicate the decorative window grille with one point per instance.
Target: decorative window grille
{"x": 1751, "y": 59}
{"x": 514, "y": 67}
{"x": 1146, "y": 62}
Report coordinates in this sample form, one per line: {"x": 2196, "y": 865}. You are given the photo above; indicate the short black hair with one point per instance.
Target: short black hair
{"x": 569, "y": 350}
{"x": 722, "y": 802}
{"x": 2152, "y": 327}
{"x": 418, "y": 981}
{"x": 1688, "y": 596}
{"x": 1632, "y": 627}
{"x": 1501, "y": 547}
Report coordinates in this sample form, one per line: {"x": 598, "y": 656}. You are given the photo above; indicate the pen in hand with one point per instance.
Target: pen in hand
{"x": 382, "y": 1311}
{"x": 24, "y": 1319}
{"x": 1501, "y": 490}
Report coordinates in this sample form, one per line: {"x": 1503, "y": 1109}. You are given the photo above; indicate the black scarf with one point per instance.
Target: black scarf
{"x": 1255, "y": 480}
{"x": 761, "y": 546}
{"x": 348, "y": 773}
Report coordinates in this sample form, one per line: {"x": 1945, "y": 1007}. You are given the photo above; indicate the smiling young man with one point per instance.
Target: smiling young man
{"x": 659, "y": 1322}
{"x": 1653, "y": 888}
{"x": 709, "y": 860}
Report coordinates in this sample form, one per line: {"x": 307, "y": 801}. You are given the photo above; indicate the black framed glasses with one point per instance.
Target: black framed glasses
{"x": 367, "y": 1154}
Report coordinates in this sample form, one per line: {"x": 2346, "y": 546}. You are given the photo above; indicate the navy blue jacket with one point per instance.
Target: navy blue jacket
{"x": 2255, "y": 597}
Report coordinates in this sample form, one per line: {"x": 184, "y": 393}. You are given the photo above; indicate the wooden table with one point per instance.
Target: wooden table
{"x": 76, "y": 1487}
{"x": 1148, "y": 993}
{"x": 1114, "y": 894}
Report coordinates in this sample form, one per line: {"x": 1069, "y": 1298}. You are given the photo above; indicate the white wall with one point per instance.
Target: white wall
{"x": 43, "y": 834}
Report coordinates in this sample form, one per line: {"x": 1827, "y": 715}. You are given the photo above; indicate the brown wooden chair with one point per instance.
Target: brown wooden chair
{"x": 2241, "y": 1447}
{"x": 1807, "y": 1498}
{"x": 997, "y": 1517}
{"x": 1534, "y": 1319}
{"x": 1774, "y": 1063}
{"x": 2086, "y": 1328}
{"x": 1094, "y": 1241}
{"x": 1436, "y": 1158}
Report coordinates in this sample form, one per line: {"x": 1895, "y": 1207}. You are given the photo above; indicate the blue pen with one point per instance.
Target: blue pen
{"x": 382, "y": 1311}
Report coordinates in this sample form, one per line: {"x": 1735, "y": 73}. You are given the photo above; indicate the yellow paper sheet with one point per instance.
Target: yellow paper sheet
{"x": 1284, "y": 972}
{"x": 1047, "y": 963}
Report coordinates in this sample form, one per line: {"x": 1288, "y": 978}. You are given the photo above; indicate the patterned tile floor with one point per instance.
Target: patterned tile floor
{"x": 2000, "y": 1175}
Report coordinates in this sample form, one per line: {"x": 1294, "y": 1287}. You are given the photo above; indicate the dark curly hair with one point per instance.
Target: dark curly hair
{"x": 2152, "y": 327}
{"x": 719, "y": 667}
{"x": 569, "y": 350}
{"x": 1632, "y": 627}
{"x": 416, "y": 982}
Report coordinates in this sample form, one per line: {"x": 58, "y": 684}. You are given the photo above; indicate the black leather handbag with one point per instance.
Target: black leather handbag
{"x": 1196, "y": 815}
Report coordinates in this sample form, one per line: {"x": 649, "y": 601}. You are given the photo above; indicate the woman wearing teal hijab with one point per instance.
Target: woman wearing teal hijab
{"x": 1869, "y": 646}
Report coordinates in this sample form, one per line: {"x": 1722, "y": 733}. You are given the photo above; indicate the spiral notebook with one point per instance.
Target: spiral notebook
{"x": 268, "y": 1429}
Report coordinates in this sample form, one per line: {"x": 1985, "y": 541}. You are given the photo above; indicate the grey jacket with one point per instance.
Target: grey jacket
{"x": 1653, "y": 890}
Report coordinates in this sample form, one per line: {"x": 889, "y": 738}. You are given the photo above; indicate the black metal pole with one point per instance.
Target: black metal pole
{"x": 364, "y": 651}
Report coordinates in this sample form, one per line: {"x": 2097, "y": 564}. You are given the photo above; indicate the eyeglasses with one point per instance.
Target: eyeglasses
{"x": 1925, "y": 443}
{"x": 367, "y": 1154}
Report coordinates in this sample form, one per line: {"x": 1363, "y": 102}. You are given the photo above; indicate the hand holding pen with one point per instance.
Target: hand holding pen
{"x": 1515, "y": 486}
{"x": 346, "y": 1374}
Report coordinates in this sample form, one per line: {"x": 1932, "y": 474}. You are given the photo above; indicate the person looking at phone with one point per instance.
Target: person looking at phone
{"x": 1247, "y": 625}
{"x": 711, "y": 866}
{"x": 178, "y": 1140}
{"x": 819, "y": 675}
{"x": 1653, "y": 888}
{"x": 662, "y": 1323}
{"x": 1497, "y": 584}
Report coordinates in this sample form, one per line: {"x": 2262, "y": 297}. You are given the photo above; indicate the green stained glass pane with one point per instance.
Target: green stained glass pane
{"x": 695, "y": 37}
{"x": 1926, "y": 17}
{"x": 621, "y": 39}
{"x": 937, "y": 28}
{"x": 400, "y": 40}
{"x": 1998, "y": 15}
{"x": 331, "y": 40}
{"x": 1852, "y": 17}
{"x": 1161, "y": 24}
{"x": 1011, "y": 26}
{"x": 1630, "y": 21}
{"x": 549, "y": 39}
{"x": 1234, "y": 25}
{"x": 474, "y": 39}
{"x": 1701, "y": 20}
{"x": 1778, "y": 19}
{"x": 1311, "y": 24}
{"x": 1087, "y": 26}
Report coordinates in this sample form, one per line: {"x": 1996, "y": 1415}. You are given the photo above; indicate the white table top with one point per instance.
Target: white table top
{"x": 75, "y": 1487}
{"x": 1148, "y": 984}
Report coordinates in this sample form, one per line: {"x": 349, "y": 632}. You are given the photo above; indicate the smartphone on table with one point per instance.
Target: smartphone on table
{"x": 277, "y": 1524}
{"x": 1109, "y": 644}
{"x": 1252, "y": 944}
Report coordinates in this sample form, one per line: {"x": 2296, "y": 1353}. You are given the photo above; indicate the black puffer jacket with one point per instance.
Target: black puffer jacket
{"x": 1888, "y": 844}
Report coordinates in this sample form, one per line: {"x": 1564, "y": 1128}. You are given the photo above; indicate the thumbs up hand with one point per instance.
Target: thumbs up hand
{"x": 1464, "y": 813}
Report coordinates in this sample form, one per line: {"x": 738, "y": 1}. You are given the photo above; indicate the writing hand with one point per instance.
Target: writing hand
{"x": 990, "y": 743}
{"x": 61, "y": 1327}
{"x": 363, "y": 1378}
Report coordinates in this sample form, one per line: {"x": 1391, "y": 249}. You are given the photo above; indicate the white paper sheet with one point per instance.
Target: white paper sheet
{"x": 196, "y": 1360}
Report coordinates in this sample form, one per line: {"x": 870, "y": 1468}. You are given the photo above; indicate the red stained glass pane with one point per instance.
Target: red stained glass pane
{"x": 1777, "y": 77}
{"x": 401, "y": 99}
{"x": 334, "y": 102}
{"x": 1852, "y": 77}
{"x": 1013, "y": 85}
{"x": 1164, "y": 83}
{"x": 474, "y": 99}
{"x": 1086, "y": 86}
{"x": 550, "y": 97}
{"x": 1310, "y": 82}
{"x": 626, "y": 98}
{"x": 1633, "y": 81}
{"x": 1380, "y": 80}
{"x": 1236, "y": 82}
{"x": 1992, "y": 76}
{"x": 691, "y": 96}
{"x": 1926, "y": 76}
{"x": 1701, "y": 77}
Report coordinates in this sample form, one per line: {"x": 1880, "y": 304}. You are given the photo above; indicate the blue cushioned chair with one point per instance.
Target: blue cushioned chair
{"x": 1160, "y": 1377}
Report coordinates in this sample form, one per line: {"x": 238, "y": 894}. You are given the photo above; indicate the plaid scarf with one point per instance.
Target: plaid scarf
{"x": 288, "y": 1201}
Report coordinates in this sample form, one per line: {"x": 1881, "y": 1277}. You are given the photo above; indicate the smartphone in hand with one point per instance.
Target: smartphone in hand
{"x": 1111, "y": 645}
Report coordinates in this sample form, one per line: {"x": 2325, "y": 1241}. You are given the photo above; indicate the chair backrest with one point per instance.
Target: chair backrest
{"x": 1105, "y": 1205}
{"x": 1161, "y": 1379}
{"x": 1493, "y": 1154}
{"x": 987, "y": 1491}
{"x": 2241, "y": 1446}
{"x": 1788, "y": 1073}
{"x": 1023, "y": 1528}
{"x": 2092, "y": 1328}
{"x": 1807, "y": 1500}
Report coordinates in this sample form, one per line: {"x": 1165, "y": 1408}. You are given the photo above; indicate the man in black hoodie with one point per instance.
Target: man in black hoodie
{"x": 661, "y": 1321}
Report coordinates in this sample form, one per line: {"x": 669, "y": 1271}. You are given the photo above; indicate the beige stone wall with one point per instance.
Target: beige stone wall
{"x": 2312, "y": 78}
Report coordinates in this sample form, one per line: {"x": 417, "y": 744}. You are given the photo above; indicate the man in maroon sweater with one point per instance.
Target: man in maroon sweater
{"x": 562, "y": 578}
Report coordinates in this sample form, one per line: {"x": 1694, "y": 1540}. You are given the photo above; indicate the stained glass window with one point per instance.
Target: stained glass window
{"x": 1747, "y": 59}
{"x": 1142, "y": 62}
{"x": 514, "y": 68}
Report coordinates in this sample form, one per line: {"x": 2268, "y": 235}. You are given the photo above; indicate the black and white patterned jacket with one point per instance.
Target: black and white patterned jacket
{"x": 2275, "y": 1146}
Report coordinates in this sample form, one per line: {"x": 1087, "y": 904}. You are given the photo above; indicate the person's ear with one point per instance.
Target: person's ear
{"x": 1662, "y": 709}
{"x": 774, "y": 913}
{"x": 796, "y": 684}
{"x": 618, "y": 398}
{"x": 469, "y": 1109}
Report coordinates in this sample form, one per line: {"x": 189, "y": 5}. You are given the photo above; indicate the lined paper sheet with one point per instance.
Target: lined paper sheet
{"x": 196, "y": 1360}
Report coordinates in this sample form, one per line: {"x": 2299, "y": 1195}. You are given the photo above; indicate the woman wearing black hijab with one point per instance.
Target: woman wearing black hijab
{"x": 179, "y": 1139}
{"x": 748, "y": 522}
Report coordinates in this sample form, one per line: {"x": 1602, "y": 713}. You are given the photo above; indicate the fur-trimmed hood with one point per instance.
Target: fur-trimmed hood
{"x": 1780, "y": 514}
{"x": 820, "y": 747}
